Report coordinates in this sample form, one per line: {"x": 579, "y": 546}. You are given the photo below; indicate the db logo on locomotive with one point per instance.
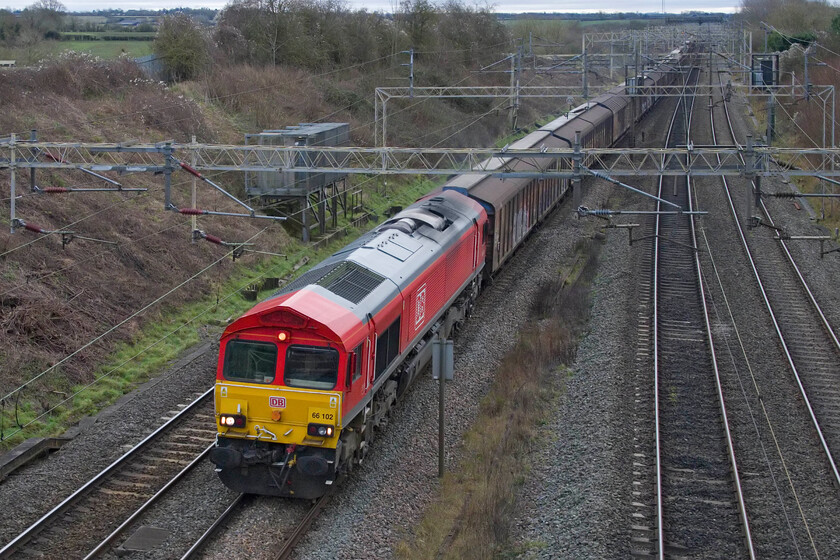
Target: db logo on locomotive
{"x": 277, "y": 402}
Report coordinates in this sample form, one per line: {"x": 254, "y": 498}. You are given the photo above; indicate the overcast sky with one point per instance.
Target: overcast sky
{"x": 674, "y": 6}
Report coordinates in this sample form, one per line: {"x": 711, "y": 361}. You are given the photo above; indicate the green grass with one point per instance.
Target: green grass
{"x": 108, "y": 49}
{"x": 620, "y": 22}
{"x": 102, "y": 49}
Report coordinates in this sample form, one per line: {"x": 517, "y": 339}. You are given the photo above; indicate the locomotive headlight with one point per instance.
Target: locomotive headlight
{"x": 282, "y": 336}
{"x": 232, "y": 420}
{"x": 320, "y": 430}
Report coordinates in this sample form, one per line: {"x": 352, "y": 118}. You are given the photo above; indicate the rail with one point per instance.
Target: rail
{"x": 776, "y": 324}
{"x": 61, "y": 508}
{"x": 658, "y": 382}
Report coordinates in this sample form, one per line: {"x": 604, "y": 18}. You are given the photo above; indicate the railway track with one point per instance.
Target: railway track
{"x": 809, "y": 342}
{"x": 289, "y": 539}
{"x": 90, "y": 519}
{"x": 696, "y": 490}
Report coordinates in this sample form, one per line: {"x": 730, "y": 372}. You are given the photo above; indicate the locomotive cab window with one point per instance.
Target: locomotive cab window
{"x": 311, "y": 367}
{"x": 250, "y": 361}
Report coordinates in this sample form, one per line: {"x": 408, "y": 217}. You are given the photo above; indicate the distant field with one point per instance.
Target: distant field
{"x": 620, "y": 22}
{"x": 108, "y": 35}
{"x": 102, "y": 49}
{"x": 107, "y": 49}
{"x": 584, "y": 23}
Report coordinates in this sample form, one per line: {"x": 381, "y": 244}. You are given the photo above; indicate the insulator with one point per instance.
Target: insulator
{"x": 55, "y": 189}
{"x": 33, "y": 227}
{"x": 191, "y": 211}
{"x": 785, "y": 195}
{"x": 599, "y": 212}
{"x": 190, "y": 169}
{"x": 213, "y": 239}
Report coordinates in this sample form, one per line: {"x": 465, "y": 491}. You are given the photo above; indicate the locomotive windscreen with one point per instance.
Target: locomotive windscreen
{"x": 311, "y": 367}
{"x": 250, "y": 361}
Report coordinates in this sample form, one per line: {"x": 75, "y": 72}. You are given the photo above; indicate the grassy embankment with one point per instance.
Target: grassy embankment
{"x": 471, "y": 516}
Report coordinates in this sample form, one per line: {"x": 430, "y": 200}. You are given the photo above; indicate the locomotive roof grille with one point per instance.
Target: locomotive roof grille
{"x": 323, "y": 268}
{"x": 351, "y": 281}
{"x": 311, "y": 277}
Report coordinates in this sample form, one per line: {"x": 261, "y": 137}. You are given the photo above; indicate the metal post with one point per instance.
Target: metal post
{"x": 771, "y": 118}
{"x": 384, "y": 123}
{"x": 33, "y": 136}
{"x": 710, "y": 69}
{"x": 749, "y": 173}
{"x": 635, "y": 92}
{"x": 832, "y": 121}
{"x": 193, "y": 198}
{"x": 322, "y": 210}
{"x": 514, "y": 89}
{"x": 807, "y": 83}
{"x": 442, "y": 384}
{"x": 12, "y": 191}
{"x": 410, "y": 53}
{"x": 439, "y": 373}
{"x": 334, "y": 204}
{"x": 517, "y": 87}
{"x": 577, "y": 195}
{"x": 585, "y": 68}
{"x": 376, "y": 101}
{"x": 305, "y": 218}
{"x": 167, "y": 175}
{"x": 411, "y": 72}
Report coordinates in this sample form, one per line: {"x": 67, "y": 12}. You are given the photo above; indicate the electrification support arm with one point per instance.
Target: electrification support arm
{"x": 189, "y": 169}
{"x": 605, "y": 177}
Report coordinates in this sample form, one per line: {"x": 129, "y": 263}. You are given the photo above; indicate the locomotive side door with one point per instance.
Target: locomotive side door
{"x": 370, "y": 346}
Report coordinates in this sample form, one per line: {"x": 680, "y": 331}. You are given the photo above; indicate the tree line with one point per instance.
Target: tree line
{"x": 321, "y": 34}
{"x": 41, "y": 20}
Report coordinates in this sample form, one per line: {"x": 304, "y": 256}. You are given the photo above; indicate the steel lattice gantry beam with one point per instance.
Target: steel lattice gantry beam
{"x": 475, "y": 91}
{"x": 384, "y": 94}
{"x": 616, "y": 162}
